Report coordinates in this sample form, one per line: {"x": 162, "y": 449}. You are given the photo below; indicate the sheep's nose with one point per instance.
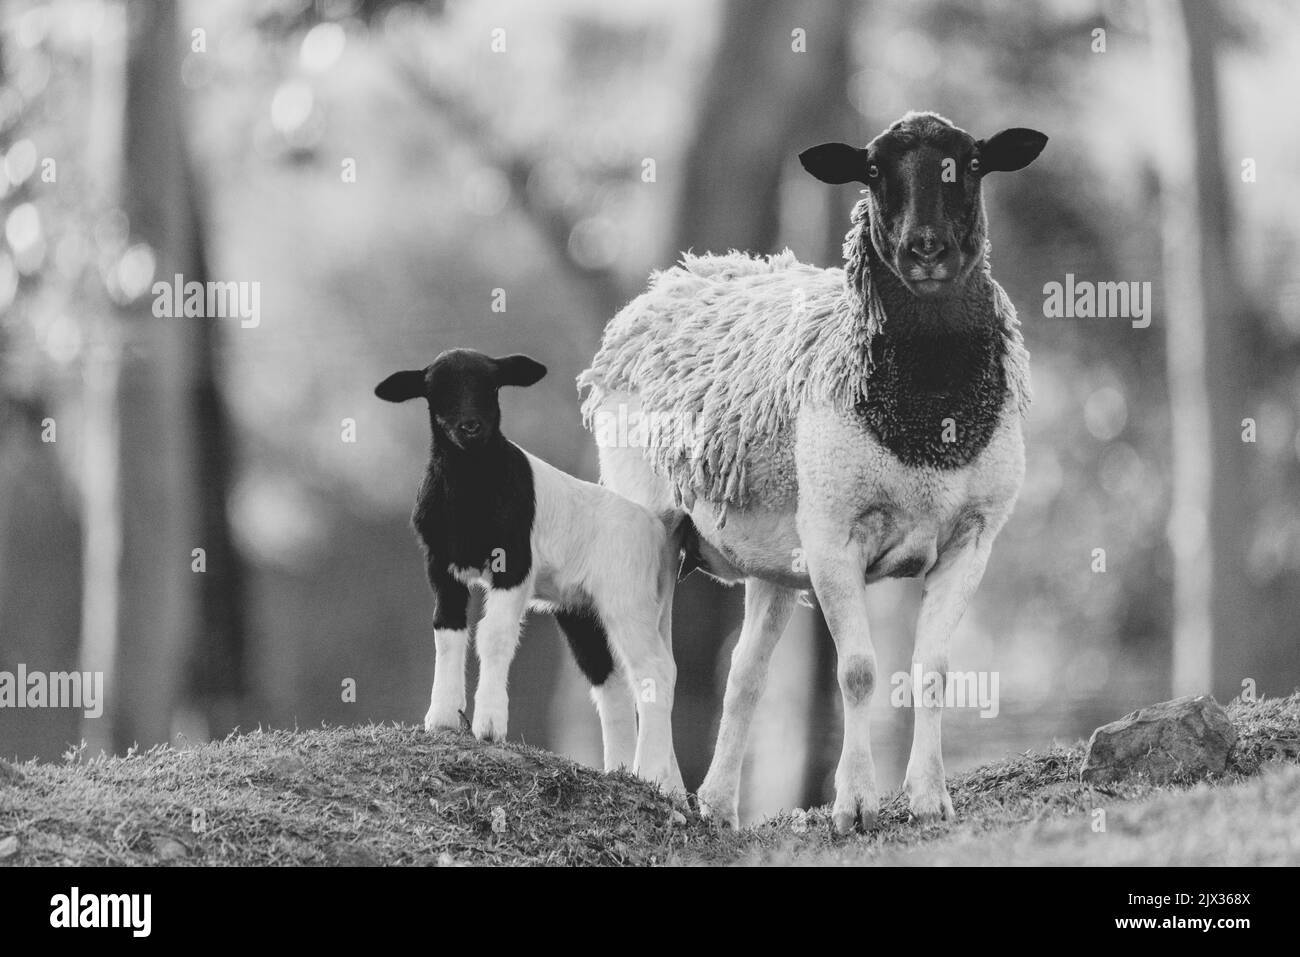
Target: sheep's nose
{"x": 927, "y": 251}
{"x": 471, "y": 428}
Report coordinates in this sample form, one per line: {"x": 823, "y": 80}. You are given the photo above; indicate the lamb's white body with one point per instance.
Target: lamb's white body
{"x": 589, "y": 545}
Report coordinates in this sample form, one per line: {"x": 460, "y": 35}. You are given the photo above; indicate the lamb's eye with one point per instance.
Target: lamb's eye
{"x": 974, "y": 164}
{"x": 873, "y": 171}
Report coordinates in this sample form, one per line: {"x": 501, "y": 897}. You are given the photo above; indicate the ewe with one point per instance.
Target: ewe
{"x": 828, "y": 428}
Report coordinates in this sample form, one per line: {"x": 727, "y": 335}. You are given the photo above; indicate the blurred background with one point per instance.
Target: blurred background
{"x": 402, "y": 178}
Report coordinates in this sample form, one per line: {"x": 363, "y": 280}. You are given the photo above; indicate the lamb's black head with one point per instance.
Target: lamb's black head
{"x": 925, "y": 208}
{"x": 461, "y": 387}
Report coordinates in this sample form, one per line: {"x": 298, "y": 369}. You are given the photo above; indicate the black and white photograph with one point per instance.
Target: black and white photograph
{"x": 686, "y": 434}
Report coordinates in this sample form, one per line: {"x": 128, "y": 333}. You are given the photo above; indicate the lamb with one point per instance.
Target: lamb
{"x": 492, "y": 516}
{"x": 828, "y": 428}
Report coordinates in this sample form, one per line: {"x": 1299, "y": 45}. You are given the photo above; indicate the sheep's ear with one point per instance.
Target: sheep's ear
{"x": 1010, "y": 150}
{"x": 836, "y": 163}
{"x": 519, "y": 370}
{"x": 401, "y": 386}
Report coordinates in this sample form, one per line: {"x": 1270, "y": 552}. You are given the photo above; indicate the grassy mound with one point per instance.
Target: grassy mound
{"x": 360, "y": 795}
{"x": 1035, "y": 809}
{"x": 396, "y": 795}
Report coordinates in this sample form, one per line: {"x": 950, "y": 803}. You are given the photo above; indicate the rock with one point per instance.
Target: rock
{"x": 1184, "y": 738}
{"x": 8, "y": 846}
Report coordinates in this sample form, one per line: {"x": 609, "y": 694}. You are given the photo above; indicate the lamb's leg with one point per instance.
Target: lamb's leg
{"x": 613, "y": 698}
{"x": 609, "y": 686}
{"x": 666, "y": 637}
{"x": 948, "y": 588}
{"x": 450, "y": 639}
{"x": 653, "y": 677}
{"x": 838, "y": 579}
{"x": 496, "y": 640}
{"x": 767, "y": 610}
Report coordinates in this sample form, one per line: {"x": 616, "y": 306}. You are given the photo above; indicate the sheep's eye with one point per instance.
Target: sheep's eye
{"x": 974, "y": 164}
{"x": 873, "y": 171}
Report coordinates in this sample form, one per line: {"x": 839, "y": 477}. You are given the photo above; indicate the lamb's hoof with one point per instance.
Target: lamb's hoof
{"x": 930, "y": 806}
{"x": 675, "y": 788}
{"x": 721, "y": 810}
{"x": 666, "y": 780}
{"x": 488, "y": 728}
{"x": 850, "y": 811}
{"x": 442, "y": 720}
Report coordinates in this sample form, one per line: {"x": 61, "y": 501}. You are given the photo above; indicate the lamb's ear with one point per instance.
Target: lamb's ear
{"x": 519, "y": 370}
{"x": 836, "y": 163}
{"x": 1010, "y": 150}
{"x": 401, "y": 386}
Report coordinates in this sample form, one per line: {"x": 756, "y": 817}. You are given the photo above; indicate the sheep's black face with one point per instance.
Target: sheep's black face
{"x": 926, "y": 211}
{"x": 927, "y": 217}
{"x": 461, "y": 388}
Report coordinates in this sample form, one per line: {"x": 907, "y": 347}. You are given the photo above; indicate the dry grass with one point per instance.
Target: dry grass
{"x": 360, "y": 795}
{"x": 395, "y": 795}
{"x": 1032, "y": 809}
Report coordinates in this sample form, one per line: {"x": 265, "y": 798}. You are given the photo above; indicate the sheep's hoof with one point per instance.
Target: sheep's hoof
{"x": 720, "y": 810}
{"x": 930, "y": 806}
{"x": 668, "y": 781}
{"x": 854, "y": 811}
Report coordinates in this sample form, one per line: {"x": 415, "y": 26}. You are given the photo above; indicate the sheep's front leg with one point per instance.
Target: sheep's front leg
{"x": 496, "y": 640}
{"x": 839, "y": 580}
{"x": 767, "y": 610}
{"x": 948, "y": 589}
{"x": 450, "y": 639}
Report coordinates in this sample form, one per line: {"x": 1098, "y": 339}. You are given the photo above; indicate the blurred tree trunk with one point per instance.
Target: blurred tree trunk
{"x": 762, "y": 102}
{"x": 1233, "y": 620}
{"x": 216, "y": 683}
{"x": 143, "y": 512}
{"x": 1189, "y": 399}
{"x": 100, "y": 508}
{"x": 761, "y": 99}
{"x": 38, "y": 529}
